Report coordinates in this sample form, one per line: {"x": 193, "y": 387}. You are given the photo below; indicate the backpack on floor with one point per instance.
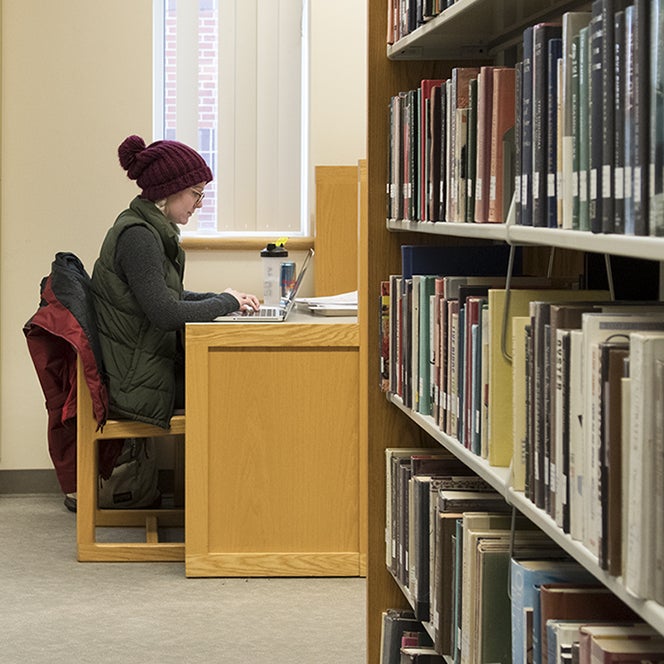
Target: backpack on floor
{"x": 133, "y": 482}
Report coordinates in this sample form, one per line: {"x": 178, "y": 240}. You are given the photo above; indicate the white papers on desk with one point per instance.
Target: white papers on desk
{"x": 344, "y": 304}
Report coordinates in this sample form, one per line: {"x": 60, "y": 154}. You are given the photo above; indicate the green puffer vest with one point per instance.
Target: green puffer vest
{"x": 138, "y": 357}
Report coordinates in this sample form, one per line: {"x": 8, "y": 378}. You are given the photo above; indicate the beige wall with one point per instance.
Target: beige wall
{"x": 76, "y": 79}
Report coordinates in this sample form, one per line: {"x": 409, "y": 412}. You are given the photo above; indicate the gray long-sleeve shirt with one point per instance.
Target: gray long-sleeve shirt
{"x": 139, "y": 258}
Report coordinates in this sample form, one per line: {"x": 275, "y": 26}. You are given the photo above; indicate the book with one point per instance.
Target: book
{"x": 619, "y": 125}
{"x": 520, "y": 326}
{"x": 584, "y": 129}
{"x": 435, "y": 152}
{"x": 614, "y": 630}
{"x": 459, "y": 104}
{"x": 526, "y": 576}
{"x": 640, "y": 124}
{"x": 483, "y": 532}
{"x": 543, "y": 395}
{"x": 656, "y": 117}
{"x": 573, "y": 602}
{"x": 609, "y": 650}
{"x": 554, "y": 54}
{"x": 427, "y": 86}
{"x": 502, "y": 120}
{"x": 483, "y": 137}
{"x": 572, "y": 22}
{"x": 471, "y": 151}
{"x": 640, "y": 576}
{"x": 500, "y": 401}
{"x": 385, "y": 335}
{"x": 598, "y": 327}
{"x": 609, "y": 60}
{"x": 595, "y": 117}
{"x": 394, "y": 622}
{"x": 612, "y": 359}
{"x": 518, "y": 140}
{"x": 628, "y": 119}
{"x": 392, "y": 456}
{"x": 527, "y": 110}
{"x": 542, "y": 33}
{"x": 420, "y": 655}
{"x": 452, "y": 260}
{"x": 442, "y": 593}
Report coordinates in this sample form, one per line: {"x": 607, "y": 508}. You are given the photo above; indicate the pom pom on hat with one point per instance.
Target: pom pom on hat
{"x": 163, "y": 167}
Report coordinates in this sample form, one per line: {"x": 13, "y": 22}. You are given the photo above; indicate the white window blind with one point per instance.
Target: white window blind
{"x": 230, "y": 80}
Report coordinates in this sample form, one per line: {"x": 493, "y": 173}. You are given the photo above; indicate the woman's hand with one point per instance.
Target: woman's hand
{"x": 247, "y": 300}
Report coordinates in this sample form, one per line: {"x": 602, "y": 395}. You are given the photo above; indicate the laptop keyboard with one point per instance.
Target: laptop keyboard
{"x": 265, "y": 312}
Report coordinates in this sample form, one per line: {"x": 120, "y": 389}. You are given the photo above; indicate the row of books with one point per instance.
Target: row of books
{"x": 404, "y": 16}
{"x": 539, "y": 378}
{"x": 449, "y": 159}
{"x": 574, "y": 130}
{"x": 588, "y": 148}
{"x": 487, "y": 586}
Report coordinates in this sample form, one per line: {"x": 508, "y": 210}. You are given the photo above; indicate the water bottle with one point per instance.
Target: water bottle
{"x": 271, "y": 257}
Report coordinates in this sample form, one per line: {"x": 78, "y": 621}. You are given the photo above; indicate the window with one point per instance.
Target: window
{"x": 230, "y": 80}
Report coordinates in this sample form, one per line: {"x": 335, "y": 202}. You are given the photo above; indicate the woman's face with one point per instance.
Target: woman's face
{"x": 180, "y": 206}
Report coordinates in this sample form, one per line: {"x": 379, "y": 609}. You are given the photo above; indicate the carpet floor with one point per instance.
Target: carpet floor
{"x": 56, "y": 610}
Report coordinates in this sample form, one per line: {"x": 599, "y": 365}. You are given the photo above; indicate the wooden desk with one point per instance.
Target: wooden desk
{"x": 275, "y": 473}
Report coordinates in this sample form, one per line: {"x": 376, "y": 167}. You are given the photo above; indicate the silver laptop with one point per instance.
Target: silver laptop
{"x": 270, "y": 314}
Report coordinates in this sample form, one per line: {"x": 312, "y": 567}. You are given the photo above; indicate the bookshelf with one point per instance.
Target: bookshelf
{"x": 471, "y": 32}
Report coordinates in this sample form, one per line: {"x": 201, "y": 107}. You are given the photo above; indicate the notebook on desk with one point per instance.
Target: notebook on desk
{"x": 271, "y": 314}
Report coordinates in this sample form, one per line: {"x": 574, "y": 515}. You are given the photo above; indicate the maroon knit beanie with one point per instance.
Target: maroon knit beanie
{"x": 163, "y": 167}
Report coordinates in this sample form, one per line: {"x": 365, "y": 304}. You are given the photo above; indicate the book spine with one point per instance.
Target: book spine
{"x": 518, "y": 139}
{"x": 656, "y": 209}
{"x": 642, "y": 112}
{"x": 628, "y": 198}
{"x": 618, "y": 201}
{"x": 595, "y": 118}
{"x": 608, "y": 60}
{"x": 527, "y": 130}
{"x": 471, "y": 151}
{"x": 555, "y": 49}
{"x": 502, "y": 120}
{"x": 584, "y": 128}
{"x": 484, "y": 96}
{"x": 576, "y": 132}
{"x": 542, "y": 33}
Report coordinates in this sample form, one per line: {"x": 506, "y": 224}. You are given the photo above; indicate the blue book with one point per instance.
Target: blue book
{"x": 489, "y": 260}
{"x": 525, "y": 579}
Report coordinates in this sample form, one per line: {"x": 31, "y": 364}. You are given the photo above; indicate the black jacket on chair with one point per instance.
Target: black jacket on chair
{"x": 62, "y": 329}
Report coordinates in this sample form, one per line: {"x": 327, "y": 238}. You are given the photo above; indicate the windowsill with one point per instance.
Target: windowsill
{"x": 242, "y": 243}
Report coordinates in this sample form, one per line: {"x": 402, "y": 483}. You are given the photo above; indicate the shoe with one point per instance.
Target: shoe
{"x": 70, "y": 502}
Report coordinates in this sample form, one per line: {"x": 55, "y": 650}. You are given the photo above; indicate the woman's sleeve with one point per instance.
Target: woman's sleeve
{"x": 139, "y": 258}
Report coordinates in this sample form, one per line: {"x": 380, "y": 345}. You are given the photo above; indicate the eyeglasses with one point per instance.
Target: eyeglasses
{"x": 200, "y": 195}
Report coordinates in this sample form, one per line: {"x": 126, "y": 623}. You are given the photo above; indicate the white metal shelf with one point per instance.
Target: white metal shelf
{"x": 646, "y": 247}
{"x": 480, "y": 231}
{"x": 476, "y": 28}
{"x": 499, "y": 479}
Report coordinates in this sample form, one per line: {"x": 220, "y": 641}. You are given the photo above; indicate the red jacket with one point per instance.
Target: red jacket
{"x": 61, "y": 329}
